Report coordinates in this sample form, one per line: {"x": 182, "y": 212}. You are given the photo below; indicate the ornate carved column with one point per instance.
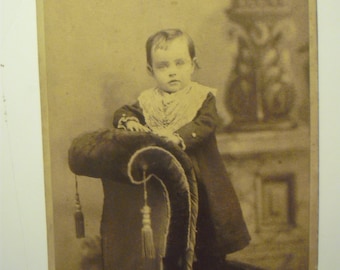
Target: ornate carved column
{"x": 261, "y": 92}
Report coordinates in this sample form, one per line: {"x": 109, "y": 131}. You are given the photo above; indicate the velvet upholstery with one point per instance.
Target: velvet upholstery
{"x": 122, "y": 160}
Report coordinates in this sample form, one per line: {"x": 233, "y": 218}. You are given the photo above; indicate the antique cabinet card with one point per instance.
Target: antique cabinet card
{"x": 260, "y": 55}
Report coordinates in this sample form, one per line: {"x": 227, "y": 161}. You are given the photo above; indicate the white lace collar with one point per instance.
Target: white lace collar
{"x": 167, "y": 112}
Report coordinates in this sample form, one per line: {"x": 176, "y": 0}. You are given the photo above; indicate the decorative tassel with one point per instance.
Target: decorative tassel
{"x": 78, "y": 215}
{"x": 147, "y": 234}
{"x": 148, "y": 247}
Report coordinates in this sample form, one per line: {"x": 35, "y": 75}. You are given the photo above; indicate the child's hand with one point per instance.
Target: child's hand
{"x": 135, "y": 126}
{"x": 169, "y": 137}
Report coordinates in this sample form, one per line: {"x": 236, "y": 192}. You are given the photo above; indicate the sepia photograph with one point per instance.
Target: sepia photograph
{"x": 180, "y": 135}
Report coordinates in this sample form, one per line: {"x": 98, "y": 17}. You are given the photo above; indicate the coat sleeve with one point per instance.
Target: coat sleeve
{"x": 126, "y": 112}
{"x": 202, "y": 126}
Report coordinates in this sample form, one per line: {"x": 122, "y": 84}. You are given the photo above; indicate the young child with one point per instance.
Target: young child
{"x": 184, "y": 112}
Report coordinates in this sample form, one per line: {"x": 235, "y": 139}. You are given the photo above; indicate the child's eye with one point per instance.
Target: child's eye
{"x": 161, "y": 65}
{"x": 180, "y": 62}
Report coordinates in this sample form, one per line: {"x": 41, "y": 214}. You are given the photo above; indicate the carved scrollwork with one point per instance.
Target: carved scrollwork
{"x": 262, "y": 87}
{"x": 260, "y": 34}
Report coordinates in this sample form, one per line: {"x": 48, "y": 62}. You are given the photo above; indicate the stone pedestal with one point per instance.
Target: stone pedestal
{"x": 261, "y": 90}
{"x": 270, "y": 173}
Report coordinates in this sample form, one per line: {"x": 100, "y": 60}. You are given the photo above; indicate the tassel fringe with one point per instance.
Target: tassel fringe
{"x": 78, "y": 214}
{"x": 148, "y": 247}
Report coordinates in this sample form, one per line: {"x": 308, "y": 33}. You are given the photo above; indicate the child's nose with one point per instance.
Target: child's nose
{"x": 172, "y": 71}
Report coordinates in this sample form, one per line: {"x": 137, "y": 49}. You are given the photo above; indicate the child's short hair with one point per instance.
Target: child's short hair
{"x": 158, "y": 39}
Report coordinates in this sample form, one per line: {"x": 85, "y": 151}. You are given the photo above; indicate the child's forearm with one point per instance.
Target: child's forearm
{"x": 202, "y": 127}
{"x": 126, "y": 113}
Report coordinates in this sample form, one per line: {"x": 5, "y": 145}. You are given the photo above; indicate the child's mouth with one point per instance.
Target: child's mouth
{"x": 174, "y": 82}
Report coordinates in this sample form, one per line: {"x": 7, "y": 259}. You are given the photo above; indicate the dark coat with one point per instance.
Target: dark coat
{"x": 220, "y": 227}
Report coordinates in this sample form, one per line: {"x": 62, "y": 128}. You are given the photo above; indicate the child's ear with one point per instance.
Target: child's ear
{"x": 195, "y": 63}
{"x": 150, "y": 70}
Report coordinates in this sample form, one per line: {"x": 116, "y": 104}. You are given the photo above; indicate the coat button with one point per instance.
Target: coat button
{"x": 194, "y": 135}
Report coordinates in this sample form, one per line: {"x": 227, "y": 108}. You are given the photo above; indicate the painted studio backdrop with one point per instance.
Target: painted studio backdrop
{"x": 254, "y": 52}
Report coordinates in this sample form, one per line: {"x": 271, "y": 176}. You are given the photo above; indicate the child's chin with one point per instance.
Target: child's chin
{"x": 173, "y": 89}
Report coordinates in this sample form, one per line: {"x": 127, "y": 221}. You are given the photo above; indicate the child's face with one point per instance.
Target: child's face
{"x": 172, "y": 66}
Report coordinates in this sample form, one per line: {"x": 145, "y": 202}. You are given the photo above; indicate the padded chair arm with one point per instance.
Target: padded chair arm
{"x": 104, "y": 153}
{"x": 131, "y": 157}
